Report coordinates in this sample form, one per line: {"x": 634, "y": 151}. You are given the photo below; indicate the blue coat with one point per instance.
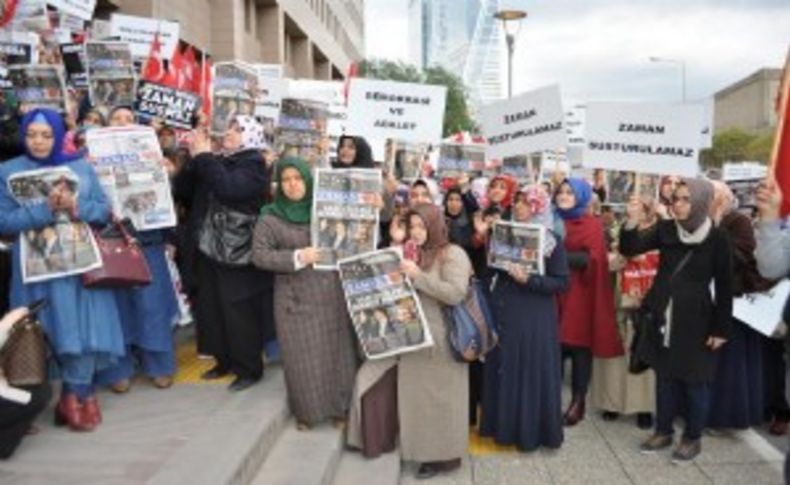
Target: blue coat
{"x": 78, "y": 321}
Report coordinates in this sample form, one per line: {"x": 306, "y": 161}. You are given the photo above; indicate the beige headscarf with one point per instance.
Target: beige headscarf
{"x": 724, "y": 201}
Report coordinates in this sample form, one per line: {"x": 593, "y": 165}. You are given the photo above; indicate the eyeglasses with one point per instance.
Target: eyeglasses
{"x": 681, "y": 198}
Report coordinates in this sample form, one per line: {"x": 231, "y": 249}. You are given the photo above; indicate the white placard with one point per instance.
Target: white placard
{"x": 269, "y": 70}
{"x": 762, "y": 311}
{"x": 708, "y": 113}
{"x": 139, "y": 32}
{"x": 643, "y": 137}
{"x": 78, "y": 8}
{"x": 743, "y": 171}
{"x": 530, "y": 122}
{"x": 71, "y": 23}
{"x": 388, "y": 109}
{"x": 270, "y": 95}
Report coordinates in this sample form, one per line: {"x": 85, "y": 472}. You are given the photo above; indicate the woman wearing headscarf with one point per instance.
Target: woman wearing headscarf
{"x": 499, "y": 197}
{"x": 737, "y": 391}
{"x": 460, "y": 207}
{"x": 432, "y": 385}
{"x": 313, "y": 326}
{"x": 83, "y": 325}
{"x": 587, "y": 318}
{"x": 231, "y": 302}
{"x": 522, "y": 402}
{"x": 147, "y": 312}
{"x": 694, "y": 324}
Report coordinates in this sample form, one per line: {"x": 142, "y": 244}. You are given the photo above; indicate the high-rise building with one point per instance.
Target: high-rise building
{"x": 463, "y": 37}
{"x": 315, "y": 39}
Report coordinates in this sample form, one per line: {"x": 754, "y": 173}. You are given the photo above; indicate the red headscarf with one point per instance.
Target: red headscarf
{"x": 437, "y": 239}
{"x": 512, "y": 186}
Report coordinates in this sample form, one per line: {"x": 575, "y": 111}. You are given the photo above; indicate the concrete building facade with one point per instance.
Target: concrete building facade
{"x": 749, "y": 103}
{"x": 314, "y": 39}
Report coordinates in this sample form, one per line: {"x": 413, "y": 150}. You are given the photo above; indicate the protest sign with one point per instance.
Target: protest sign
{"x": 517, "y": 243}
{"x": 389, "y": 109}
{"x": 384, "y": 307}
{"x": 456, "y": 159}
{"x": 14, "y": 53}
{"x": 621, "y": 186}
{"x": 71, "y": 23}
{"x": 111, "y": 74}
{"x": 30, "y": 15}
{"x": 60, "y": 249}
{"x": 139, "y": 33}
{"x": 271, "y": 71}
{"x": 302, "y": 129}
{"x": 234, "y": 89}
{"x": 38, "y": 86}
{"x": 708, "y": 114}
{"x": 74, "y": 61}
{"x": 525, "y": 168}
{"x": 128, "y": 161}
{"x": 404, "y": 159}
{"x": 268, "y": 102}
{"x": 643, "y": 137}
{"x": 175, "y": 108}
{"x": 345, "y": 220}
{"x": 574, "y": 126}
{"x": 330, "y": 94}
{"x": 78, "y": 8}
{"x": 527, "y": 123}
{"x": 762, "y": 311}
{"x": 743, "y": 179}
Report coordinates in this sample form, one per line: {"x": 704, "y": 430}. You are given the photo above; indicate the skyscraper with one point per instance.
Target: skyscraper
{"x": 463, "y": 37}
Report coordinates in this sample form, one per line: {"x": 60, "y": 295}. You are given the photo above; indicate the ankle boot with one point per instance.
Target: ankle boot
{"x": 575, "y": 412}
{"x": 69, "y": 412}
{"x": 91, "y": 413}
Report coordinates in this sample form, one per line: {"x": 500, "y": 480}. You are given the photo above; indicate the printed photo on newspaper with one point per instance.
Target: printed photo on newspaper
{"x": 345, "y": 220}
{"x": 456, "y": 159}
{"x": 384, "y": 307}
{"x": 39, "y": 86}
{"x": 111, "y": 74}
{"x": 63, "y": 248}
{"x": 234, "y": 92}
{"x": 517, "y": 243}
{"x": 128, "y": 161}
{"x": 404, "y": 159}
{"x": 301, "y": 131}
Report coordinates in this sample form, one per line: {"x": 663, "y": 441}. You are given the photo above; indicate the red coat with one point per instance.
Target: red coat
{"x": 587, "y": 314}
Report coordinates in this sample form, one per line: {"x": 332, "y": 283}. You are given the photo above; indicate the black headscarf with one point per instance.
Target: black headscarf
{"x": 363, "y": 157}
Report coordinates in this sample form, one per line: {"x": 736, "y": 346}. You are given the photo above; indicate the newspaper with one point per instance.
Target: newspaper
{"x": 525, "y": 168}
{"x": 128, "y": 163}
{"x": 175, "y": 108}
{"x": 74, "y": 61}
{"x": 517, "y": 243}
{"x": 384, "y": 307}
{"x": 345, "y": 221}
{"x": 456, "y": 159}
{"x": 111, "y": 74}
{"x": 302, "y": 130}
{"x": 30, "y": 15}
{"x": 622, "y": 185}
{"x": 404, "y": 159}
{"x": 39, "y": 86}
{"x": 234, "y": 92}
{"x": 61, "y": 249}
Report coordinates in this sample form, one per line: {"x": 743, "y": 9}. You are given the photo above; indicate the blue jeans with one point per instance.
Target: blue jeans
{"x": 673, "y": 397}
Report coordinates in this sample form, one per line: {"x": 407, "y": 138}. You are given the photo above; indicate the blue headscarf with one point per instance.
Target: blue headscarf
{"x": 55, "y": 121}
{"x": 583, "y": 192}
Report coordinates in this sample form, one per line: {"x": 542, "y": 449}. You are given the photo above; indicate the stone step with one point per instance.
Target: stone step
{"x": 355, "y": 469}
{"x": 302, "y": 457}
{"x": 234, "y": 441}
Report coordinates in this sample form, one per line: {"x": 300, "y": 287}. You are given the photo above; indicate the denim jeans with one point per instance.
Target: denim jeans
{"x": 674, "y": 396}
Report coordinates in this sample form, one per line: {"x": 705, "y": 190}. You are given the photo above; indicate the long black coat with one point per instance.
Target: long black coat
{"x": 696, "y": 316}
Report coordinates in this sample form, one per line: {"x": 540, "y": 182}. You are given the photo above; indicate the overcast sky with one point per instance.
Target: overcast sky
{"x": 600, "y": 49}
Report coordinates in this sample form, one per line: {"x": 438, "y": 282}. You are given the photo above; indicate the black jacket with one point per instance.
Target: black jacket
{"x": 695, "y": 314}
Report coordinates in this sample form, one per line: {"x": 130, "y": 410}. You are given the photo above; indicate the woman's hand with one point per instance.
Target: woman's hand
{"x": 390, "y": 184}
{"x": 769, "y": 199}
{"x": 410, "y": 268}
{"x": 715, "y": 343}
{"x": 463, "y": 182}
{"x": 309, "y": 255}
{"x": 199, "y": 142}
{"x": 378, "y": 202}
{"x": 397, "y": 230}
{"x": 518, "y": 273}
{"x": 481, "y": 225}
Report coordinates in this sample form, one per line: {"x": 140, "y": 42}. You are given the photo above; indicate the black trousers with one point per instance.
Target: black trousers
{"x": 15, "y": 418}
{"x": 774, "y": 379}
{"x": 231, "y": 322}
{"x": 581, "y": 368}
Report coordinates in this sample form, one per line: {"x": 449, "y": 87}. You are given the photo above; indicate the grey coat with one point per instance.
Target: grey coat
{"x": 313, "y": 326}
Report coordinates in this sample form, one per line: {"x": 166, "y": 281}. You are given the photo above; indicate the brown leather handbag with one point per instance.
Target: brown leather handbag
{"x": 23, "y": 357}
{"x": 123, "y": 261}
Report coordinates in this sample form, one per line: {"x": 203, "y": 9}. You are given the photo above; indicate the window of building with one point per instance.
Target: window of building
{"x": 248, "y": 14}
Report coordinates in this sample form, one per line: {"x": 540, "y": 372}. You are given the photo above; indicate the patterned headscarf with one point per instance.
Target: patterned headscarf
{"x": 52, "y": 119}
{"x": 436, "y": 228}
{"x": 542, "y": 213}
{"x": 252, "y": 133}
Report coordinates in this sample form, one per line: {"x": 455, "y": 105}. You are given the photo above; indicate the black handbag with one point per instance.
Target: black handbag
{"x": 647, "y": 331}
{"x": 226, "y": 235}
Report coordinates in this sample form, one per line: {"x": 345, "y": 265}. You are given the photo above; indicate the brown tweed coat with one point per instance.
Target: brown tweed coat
{"x": 313, "y": 326}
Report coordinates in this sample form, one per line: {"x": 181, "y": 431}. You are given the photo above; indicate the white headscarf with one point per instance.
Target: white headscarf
{"x": 252, "y": 135}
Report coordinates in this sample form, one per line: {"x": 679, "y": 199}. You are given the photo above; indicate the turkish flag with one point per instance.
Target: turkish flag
{"x": 189, "y": 71}
{"x": 204, "y": 83}
{"x": 353, "y": 71}
{"x": 780, "y": 159}
{"x": 173, "y": 70}
{"x": 7, "y": 12}
{"x": 153, "y": 70}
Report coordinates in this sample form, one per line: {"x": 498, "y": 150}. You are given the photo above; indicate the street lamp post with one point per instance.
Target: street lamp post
{"x": 507, "y": 17}
{"x": 682, "y": 65}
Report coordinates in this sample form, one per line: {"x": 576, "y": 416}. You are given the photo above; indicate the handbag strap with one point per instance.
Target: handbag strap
{"x": 682, "y": 264}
